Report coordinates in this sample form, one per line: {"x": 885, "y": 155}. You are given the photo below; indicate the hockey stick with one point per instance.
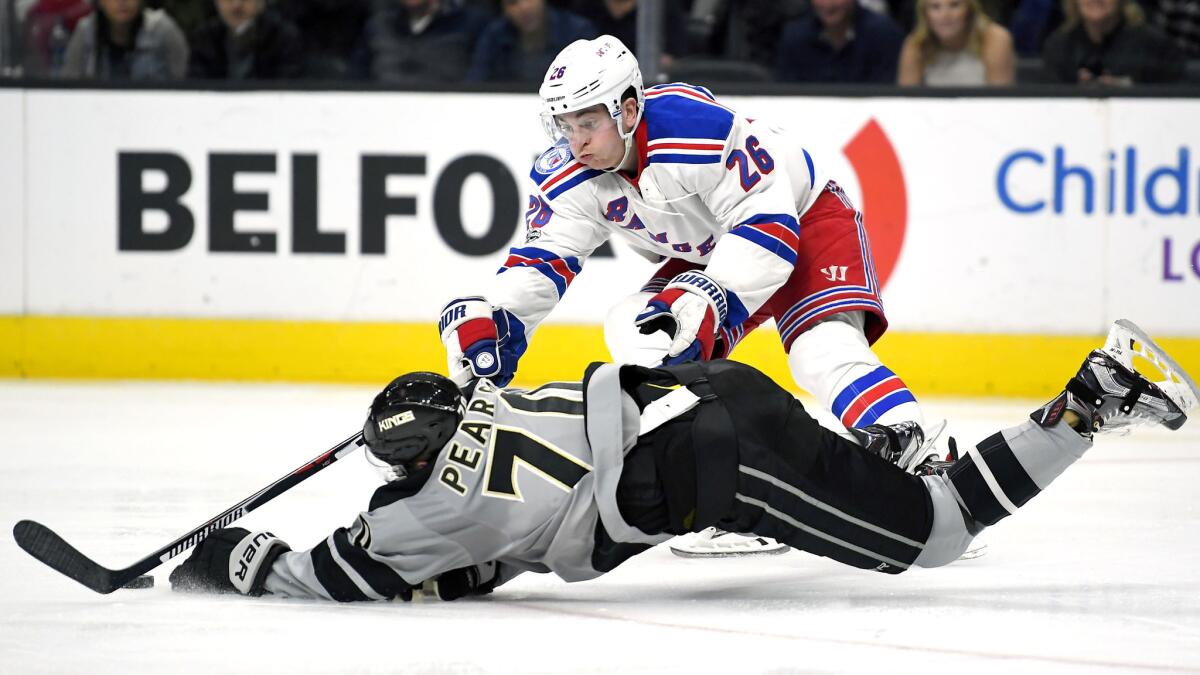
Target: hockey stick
{"x": 42, "y": 543}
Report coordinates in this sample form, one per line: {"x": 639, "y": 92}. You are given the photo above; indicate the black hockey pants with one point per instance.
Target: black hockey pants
{"x": 748, "y": 458}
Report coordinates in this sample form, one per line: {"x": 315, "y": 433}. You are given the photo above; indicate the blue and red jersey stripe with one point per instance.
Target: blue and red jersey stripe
{"x": 680, "y": 87}
{"x": 843, "y": 299}
{"x": 778, "y": 233}
{"x": 679, "y": 111}
{"x": 561, "y": 271}
{"x": 684, "y": 151}
{"x": 570, "y": 175}
{"x": 574, "y": 174}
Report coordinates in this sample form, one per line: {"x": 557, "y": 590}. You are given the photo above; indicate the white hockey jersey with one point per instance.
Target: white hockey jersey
{"x": 713, "y": 188}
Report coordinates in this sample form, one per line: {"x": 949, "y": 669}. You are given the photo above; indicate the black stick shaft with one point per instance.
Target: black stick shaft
{"x": 254, "y": 501}
{"x": 44, "y": 544}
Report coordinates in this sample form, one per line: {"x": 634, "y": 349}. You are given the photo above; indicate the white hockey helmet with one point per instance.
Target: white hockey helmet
{"x": 590, "y": 72}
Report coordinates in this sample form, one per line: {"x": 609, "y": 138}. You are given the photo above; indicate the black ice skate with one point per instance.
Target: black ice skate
{"x": 935, "y": 464}
{"x": 904, "y": 444}
{"x": 1109, "y": 394}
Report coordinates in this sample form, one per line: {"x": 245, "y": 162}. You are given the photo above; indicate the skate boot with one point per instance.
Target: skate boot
{"x": 714, "y": 542}
{"x": 933, "y": 464}
{"x": 1109, "y": 395}
{"x": 904, "y": 444}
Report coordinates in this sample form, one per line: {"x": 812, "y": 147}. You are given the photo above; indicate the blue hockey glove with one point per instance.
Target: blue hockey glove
{"x": 477, "y": 341}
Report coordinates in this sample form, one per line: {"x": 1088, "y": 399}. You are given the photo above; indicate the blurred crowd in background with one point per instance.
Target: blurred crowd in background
{"x": 1099, "y": 43}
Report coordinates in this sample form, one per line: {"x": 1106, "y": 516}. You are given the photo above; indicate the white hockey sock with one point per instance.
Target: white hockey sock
{"x": 833, "y": 362}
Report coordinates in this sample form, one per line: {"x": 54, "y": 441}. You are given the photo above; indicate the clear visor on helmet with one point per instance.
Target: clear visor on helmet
{"x": 390, "y": 473}
{"x": 576, "y": 126}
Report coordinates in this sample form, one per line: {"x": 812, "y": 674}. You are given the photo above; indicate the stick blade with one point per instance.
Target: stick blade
{"x": 44, "y": 544}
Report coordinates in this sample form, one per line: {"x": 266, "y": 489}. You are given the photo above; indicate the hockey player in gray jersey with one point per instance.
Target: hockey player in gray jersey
{"x": 574, "y": 478}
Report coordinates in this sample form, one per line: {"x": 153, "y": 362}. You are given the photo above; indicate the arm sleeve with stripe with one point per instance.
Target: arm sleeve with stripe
{"x": 536, "y": 274}
{"x": 384, "y": 555}
{"x": 336, "y": 569}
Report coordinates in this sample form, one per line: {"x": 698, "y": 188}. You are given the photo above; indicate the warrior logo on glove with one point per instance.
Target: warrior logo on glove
{"x": 690, "y": 309}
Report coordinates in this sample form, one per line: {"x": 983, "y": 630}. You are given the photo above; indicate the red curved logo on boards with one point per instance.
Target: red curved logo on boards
{"x": 884, "y": 196}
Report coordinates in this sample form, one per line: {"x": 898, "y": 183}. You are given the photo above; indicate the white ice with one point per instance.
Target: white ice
{"x": 1101, "y": 573}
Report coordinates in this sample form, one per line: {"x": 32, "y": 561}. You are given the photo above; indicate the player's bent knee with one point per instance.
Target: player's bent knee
{"x": 822, "y": 356}
{"x": 625, "y": 343}
{"x": 951, "y": 532}
{"x": 834, "y": 362}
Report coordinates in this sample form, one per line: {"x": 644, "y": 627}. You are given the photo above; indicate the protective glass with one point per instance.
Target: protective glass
{"x": 576, "y": 130}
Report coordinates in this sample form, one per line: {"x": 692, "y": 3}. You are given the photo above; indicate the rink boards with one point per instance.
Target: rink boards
{"x": 314, "y": 236}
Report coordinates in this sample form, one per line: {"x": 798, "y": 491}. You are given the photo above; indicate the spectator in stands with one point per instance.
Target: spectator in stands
{"x": 1180, "y": 20}
{"x": 1107, "y": 42}
{"x": 329, "y": 30}
{"x": 836, "y": 41}
{"x": 44, "y": 34}
{"x": 519, "y": 46}
{"x": 418, "y": 41}
{"x": 124, "y": 40}
{"x": 956, "y": 45}
{"x": 904, "y": 12}
{"x": 247, "y": 41}
{"x": 618, "y": 18}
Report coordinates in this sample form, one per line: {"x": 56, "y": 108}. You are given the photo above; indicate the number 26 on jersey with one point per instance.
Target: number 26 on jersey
{"x": 754, "y": 157}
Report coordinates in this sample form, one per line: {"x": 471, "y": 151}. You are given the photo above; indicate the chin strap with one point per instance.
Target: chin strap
{"x": 628, "y": 146}
{"x": 629, "y": 142}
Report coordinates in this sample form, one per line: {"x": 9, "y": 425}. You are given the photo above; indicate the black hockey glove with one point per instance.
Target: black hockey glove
{"x": 472, "y": 580}
{"x": 230, "y": 560}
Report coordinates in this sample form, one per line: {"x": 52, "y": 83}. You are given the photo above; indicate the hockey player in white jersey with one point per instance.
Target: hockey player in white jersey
{"x": 748, "y": 223}
{"x": 575, "y": 478}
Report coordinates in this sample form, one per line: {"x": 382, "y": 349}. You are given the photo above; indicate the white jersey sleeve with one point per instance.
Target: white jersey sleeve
{"x": 560, "y": 235}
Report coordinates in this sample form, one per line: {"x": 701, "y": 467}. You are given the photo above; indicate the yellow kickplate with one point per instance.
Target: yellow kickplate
{"x": 932, "y": 364}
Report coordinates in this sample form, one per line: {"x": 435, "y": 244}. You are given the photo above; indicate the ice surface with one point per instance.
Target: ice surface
{"x": 1099, "y": 574}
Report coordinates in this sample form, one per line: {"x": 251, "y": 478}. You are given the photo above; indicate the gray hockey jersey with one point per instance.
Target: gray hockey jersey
{"x": 523, "y": 482}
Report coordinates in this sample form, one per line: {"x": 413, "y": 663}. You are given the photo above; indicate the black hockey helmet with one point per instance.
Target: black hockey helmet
{"x": 412, "y": 418}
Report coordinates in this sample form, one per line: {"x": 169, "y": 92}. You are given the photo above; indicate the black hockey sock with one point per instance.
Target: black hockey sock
{"x": 1010, "y": 467}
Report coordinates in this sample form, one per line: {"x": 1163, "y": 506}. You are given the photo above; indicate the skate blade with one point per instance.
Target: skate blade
{"x": 974, "y": 552}
{"x": 729, "y": 554}
{"x": 915, "y": 456}
{"x": 1126, "y": 340}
